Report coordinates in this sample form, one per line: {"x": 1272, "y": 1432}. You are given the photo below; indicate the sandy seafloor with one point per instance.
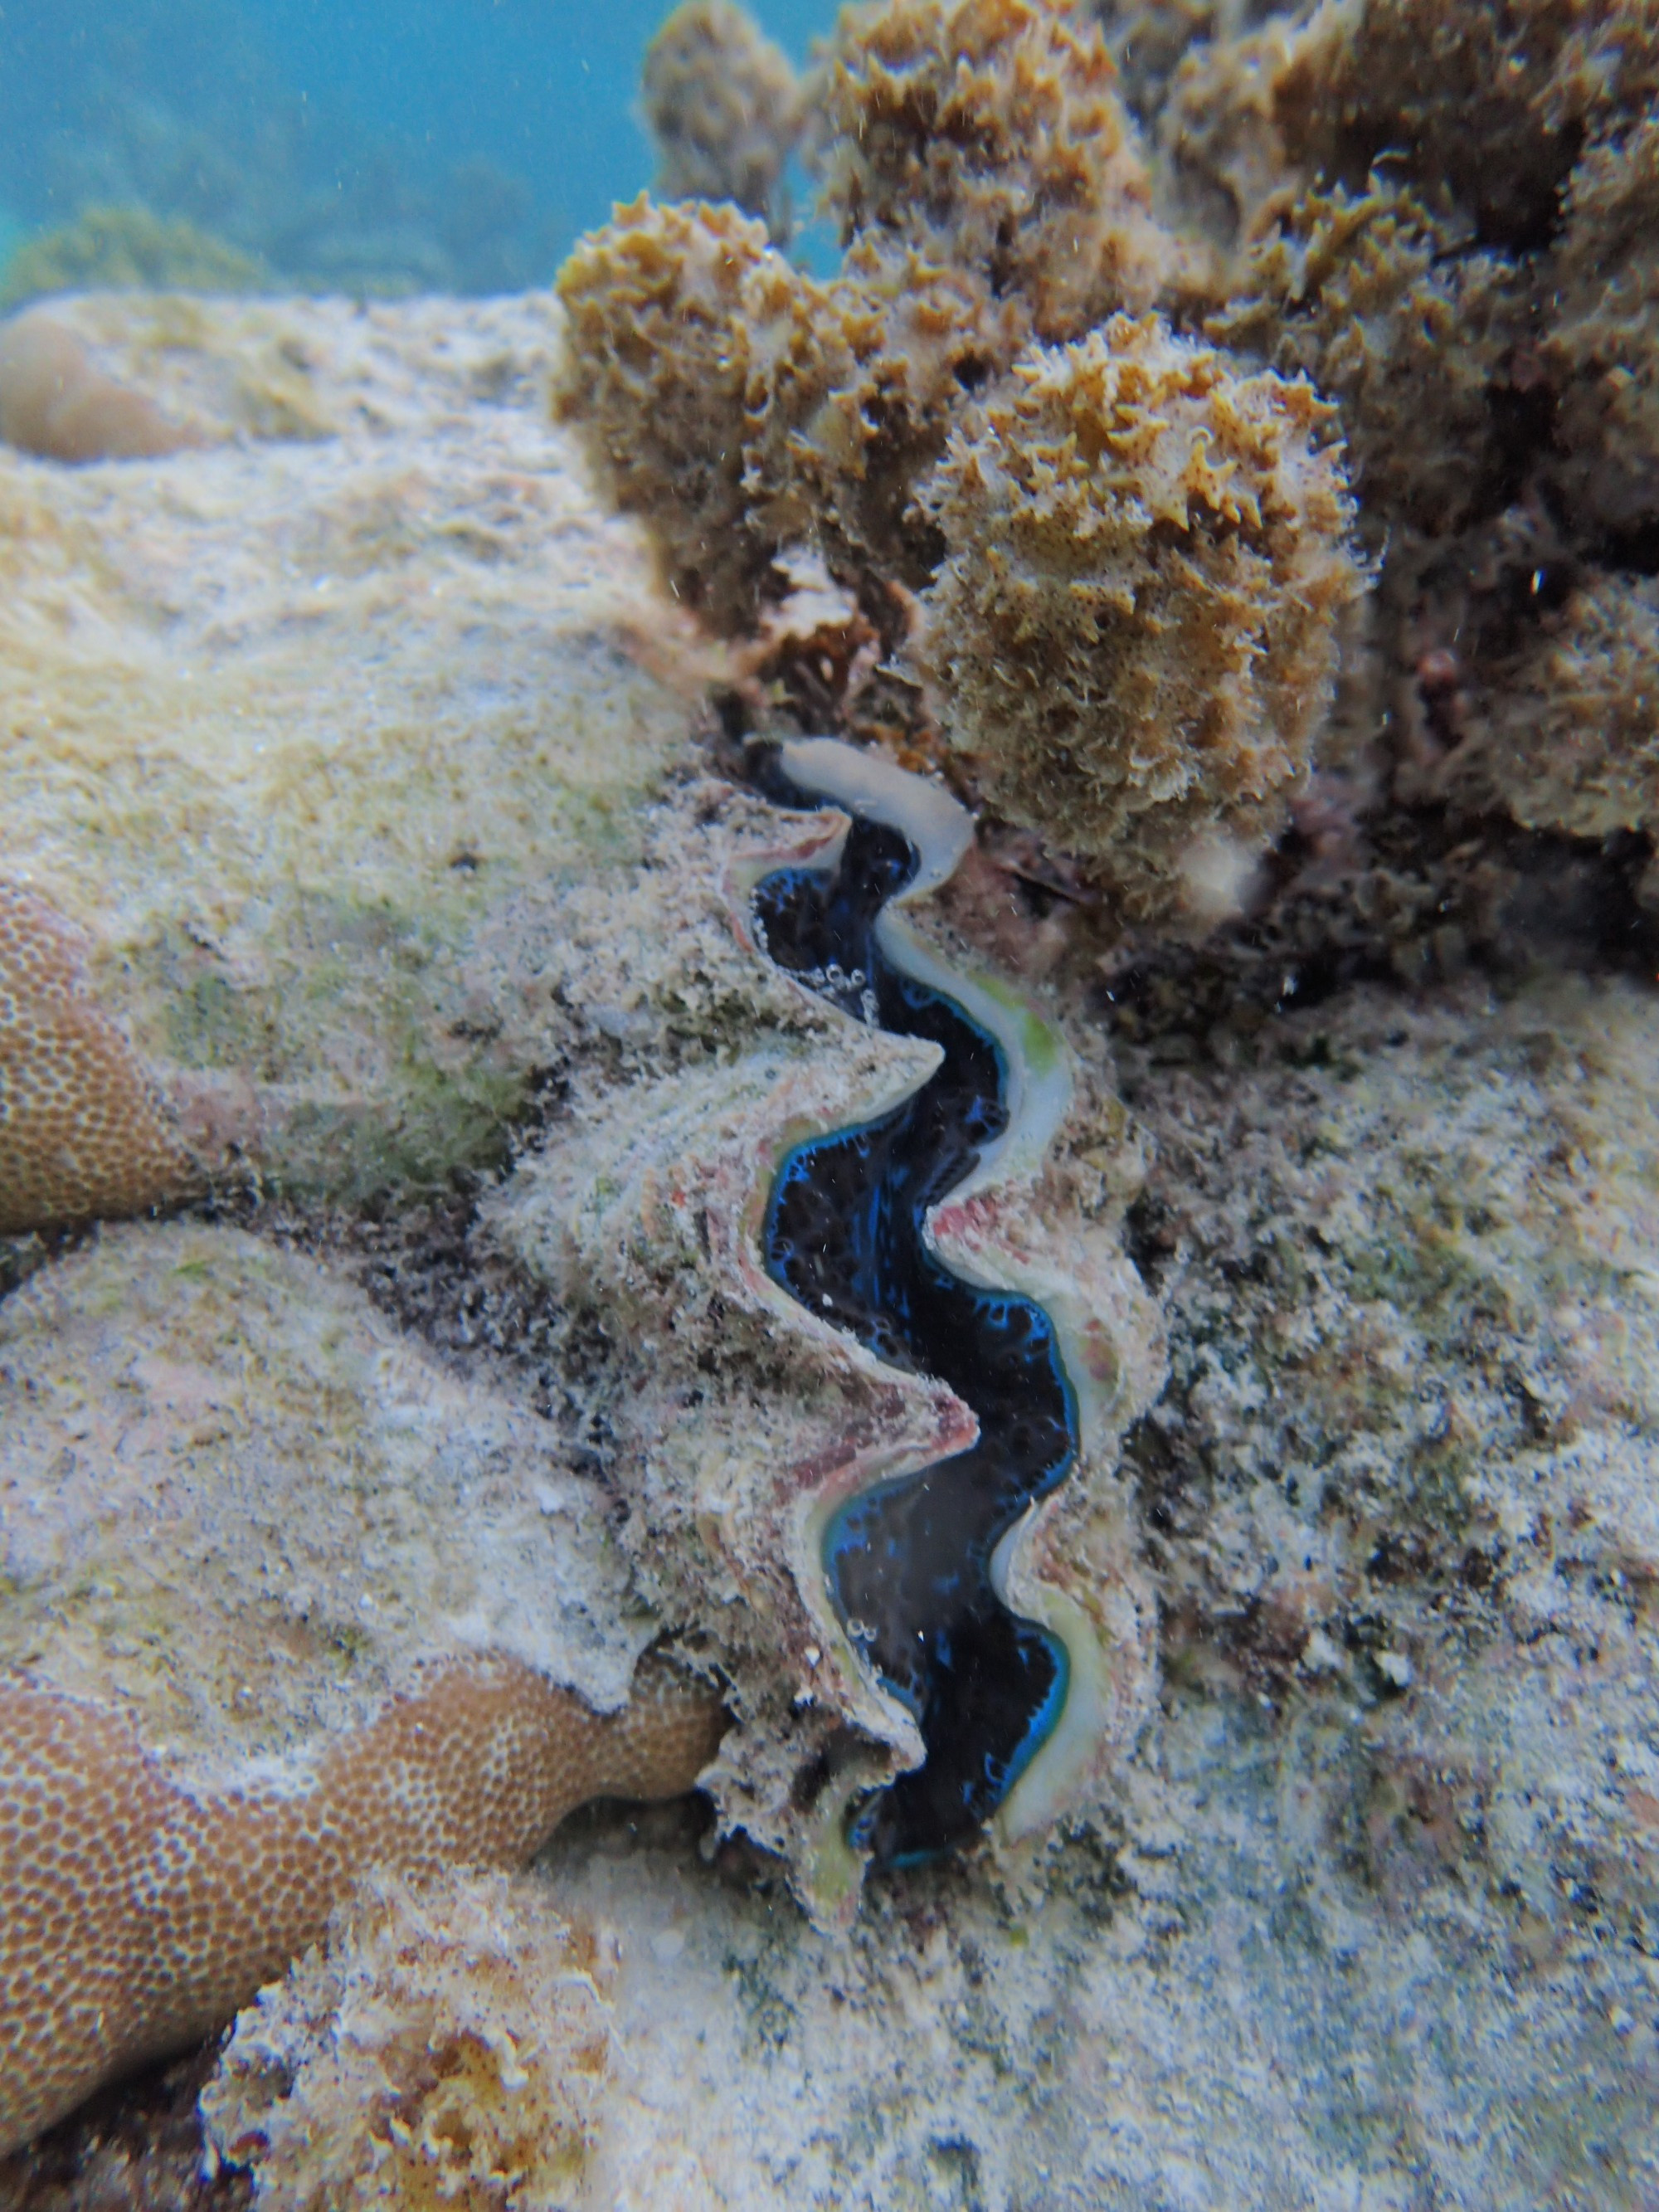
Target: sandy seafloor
{"x": 1367, "y": 1919}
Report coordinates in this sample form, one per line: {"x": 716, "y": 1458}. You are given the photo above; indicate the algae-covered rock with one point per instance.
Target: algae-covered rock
{"x": 363, "y": 687}
{"x": 216, "y": 1450}
{"x": 453, "y": 2045}
{"x": 115, "y": 248}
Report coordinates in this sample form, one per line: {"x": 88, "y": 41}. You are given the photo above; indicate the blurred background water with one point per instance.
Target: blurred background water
{"x": 400, "y": 145}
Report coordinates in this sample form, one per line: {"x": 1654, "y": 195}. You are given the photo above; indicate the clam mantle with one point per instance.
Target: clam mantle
{"x": 740, "y": 1421}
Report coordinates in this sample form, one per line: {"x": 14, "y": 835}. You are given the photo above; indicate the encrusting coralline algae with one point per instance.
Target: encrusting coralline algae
{"x": 1224, "y": 453}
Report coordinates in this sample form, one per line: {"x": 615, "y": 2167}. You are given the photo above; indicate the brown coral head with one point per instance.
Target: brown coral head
{"x": 991, "y": 133}
{"x": 1135, "y": 628}
{"x": 137, "y": 1912}
{"x": 84, "y": 1132}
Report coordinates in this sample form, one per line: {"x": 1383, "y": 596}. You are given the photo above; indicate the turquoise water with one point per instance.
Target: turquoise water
{"x": 426, "y": 145}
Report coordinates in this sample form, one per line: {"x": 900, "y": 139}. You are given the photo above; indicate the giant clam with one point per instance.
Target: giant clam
{"x": 765, "y": 1406}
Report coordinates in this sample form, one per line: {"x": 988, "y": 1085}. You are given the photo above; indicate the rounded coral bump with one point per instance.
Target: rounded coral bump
{"x": 138, "y": 1912}
{"x": 84, "y": 1134}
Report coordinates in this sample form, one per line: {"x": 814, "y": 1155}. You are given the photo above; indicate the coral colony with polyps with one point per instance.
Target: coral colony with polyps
{"x": 872, "y": 1032}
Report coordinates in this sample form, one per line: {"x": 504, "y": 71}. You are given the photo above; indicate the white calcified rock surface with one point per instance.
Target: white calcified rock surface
{"x": 339, "y": 739}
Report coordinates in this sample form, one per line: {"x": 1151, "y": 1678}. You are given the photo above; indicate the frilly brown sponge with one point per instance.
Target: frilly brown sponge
{"x": 1569, "y": 737}
{"x": 990, "y": 133}
{"x": 1133, "y": 633}
{"x": 737, "y": 405}
{"x": 989, "y": 186}
{"x": 693, "y": 350}
{"x": 724, "y": 108}
{"x": 1455, "y": 241}
{"x": 1489, "y": 104}
{"x": 1358, "y": 291}
{"x": 909, "y": 337}
{"x": 1603, "y": 351}
{"x": 1439, "y": 215}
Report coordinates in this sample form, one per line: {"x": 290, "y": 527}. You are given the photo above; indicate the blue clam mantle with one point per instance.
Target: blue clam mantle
{"x": 916, "y": 1566}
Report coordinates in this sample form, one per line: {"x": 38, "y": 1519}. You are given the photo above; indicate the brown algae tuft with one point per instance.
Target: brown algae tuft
{"x": 1433, "y": 219}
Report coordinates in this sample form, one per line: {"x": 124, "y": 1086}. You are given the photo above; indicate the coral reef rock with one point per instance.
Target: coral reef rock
{"x": 297, "y": 1601}
{"x": 375, "y": 799}
{"x": 262, "y": 1465}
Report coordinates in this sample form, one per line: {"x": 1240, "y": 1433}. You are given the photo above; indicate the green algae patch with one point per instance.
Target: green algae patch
{"x": 356, "y": 1157}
